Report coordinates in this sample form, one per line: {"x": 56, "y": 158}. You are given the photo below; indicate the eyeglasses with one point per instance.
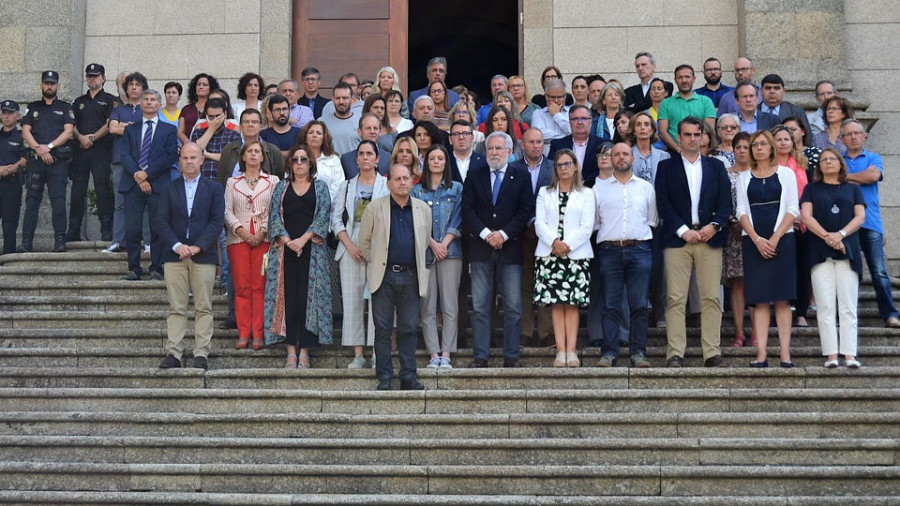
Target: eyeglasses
{"x": 300, "y": 159}
{"x": 760, "y": 144}
{"x": 556, "y": 97}
{"x": 564, "y": 165}
{"x": 604, "y": 155}
{"x": 579, "y": 120}
{"x": 852, "y": 134}
{"x": 829, "y": 159}
{"x": 214, "y": 116}
{"x": 516, "y": 86}
{"x": 461, "y": 134}
{"x": 728, "y": 127}
{"x": 742, "y": 69}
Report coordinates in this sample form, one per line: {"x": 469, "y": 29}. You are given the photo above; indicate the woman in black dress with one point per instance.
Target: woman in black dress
{"x": 767, "y": 207}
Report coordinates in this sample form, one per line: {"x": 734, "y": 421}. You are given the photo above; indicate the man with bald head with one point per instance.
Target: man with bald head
{"x": 369, "y": 130}
{"x": 743, "y": 71}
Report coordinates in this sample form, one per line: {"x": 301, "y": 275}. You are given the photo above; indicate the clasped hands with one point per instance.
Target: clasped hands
{"x": 184, "y": 251}
{"x": 560, "y": 248}
{"x": 495, "y": 239}
{"x": 697, "y": 236}
{"x": 836, "y": 241}
{"x": 140, "y": 177}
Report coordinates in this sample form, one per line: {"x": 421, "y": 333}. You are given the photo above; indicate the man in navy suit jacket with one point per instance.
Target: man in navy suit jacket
{"x": 497, "y": 204}
{"x": 461, "y": 142}
{"x": 189, "y": 218}
{"x": 151, "y": 150}
{"x": 580, "y": 122}
{"x": 693, "y": 197}
{"x": 540, "y": 172}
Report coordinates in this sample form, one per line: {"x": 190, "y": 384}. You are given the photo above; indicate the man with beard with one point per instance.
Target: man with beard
{"x": 300, "y": 114}
{"x": 681, "y": 105}
{"x": 46, "y": 129}
{"x": 280, "y": 133}
{"x": 312, "y": 80}
{"x": 12, "y": 163}
{"x": 498, "y": 202}
{"x": 343, "y": 122}
{"x": 93, "y": 154}
{"x": 713, "y": 89}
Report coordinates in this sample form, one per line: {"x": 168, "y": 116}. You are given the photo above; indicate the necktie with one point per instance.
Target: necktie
{"x": 498, "y": 178}
{"x": 145, "y": 145}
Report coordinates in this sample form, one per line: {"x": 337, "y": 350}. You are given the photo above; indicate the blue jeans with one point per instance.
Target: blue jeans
{"x": 227, "y": 284}
{"x": 399, "y": 291}
{"x": 595, "y": 308}
{"x": 626, "y": 272}
{"x": 509, "y": 279}
{"x": 872, "y": 244}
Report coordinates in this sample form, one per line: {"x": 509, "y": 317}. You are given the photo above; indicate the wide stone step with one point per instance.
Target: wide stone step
{"x": 587, "y": 378}
{"x": 453, "y": 452}
{"x": 452, "y": 480}
{"x": 34, "y": 286}
{"x": 749, "y": 425}
{"x": 105, "y": 303}
{"x": 182, "y": 498}
{"x": 218, "y": 400}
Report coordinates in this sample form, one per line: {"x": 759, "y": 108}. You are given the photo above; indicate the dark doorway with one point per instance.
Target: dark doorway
{"x": 479, "y": 38}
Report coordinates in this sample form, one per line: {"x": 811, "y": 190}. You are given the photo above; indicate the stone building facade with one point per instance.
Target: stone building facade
{"x": 851, "y": 42}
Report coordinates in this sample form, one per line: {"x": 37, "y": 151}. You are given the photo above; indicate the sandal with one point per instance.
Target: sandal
{"x": 739, "y": 341}
{"x": 242, "y": 343}
{"x": 291, "y": 362}
{"x": 303, "y": 362}
{"x": 258, "y": 344}
{"x": 572, "y": 359}
{"x": 560, "y": 359}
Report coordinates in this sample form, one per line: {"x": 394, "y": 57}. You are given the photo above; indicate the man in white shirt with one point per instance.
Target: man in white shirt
{"x": 626, "y": 209}
{"x": 553, "y": 120}
{"x": 463, "y": 158}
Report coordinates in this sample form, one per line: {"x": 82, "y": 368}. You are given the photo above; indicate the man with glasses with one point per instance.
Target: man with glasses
{"x": 300, "y": 114}
{"x": 553, "y": 120}
{"x": 816, "y": 119}
{"x": 212, "y": 136}
{"x": 636, "y": 97}
{"x": 280, "y": 133}
{"x": 436, "y": 71}
{"x": 713, "y": 89}
{"x": 743, "y": 71}
{"x": 463, "y": 157}
{"x": 865, "y": 168}
{"x": 581, "y": 142}
{"x": 312, "y": 80}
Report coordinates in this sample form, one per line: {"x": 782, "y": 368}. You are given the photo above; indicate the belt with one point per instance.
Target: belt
{"x": 623, "y": 243}
{"x": 400, "y": 268}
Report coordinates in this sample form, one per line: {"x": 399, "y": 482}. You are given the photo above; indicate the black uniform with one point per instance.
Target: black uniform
{"x": 47, "y": 123}
{"x": 11, "y": 151}
{"x": 91, "y": 114}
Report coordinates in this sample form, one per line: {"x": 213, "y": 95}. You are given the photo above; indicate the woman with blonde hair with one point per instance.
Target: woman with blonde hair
{"x": 519, "y": 91}
{"x": 387, "y": 79}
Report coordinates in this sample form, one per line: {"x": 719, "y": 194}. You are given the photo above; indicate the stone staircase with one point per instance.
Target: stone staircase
{"x": 87, "y": 418}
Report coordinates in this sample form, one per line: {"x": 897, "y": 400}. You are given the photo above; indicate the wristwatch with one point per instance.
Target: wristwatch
{"x": 716, "y": 226}
{"x": 843, "y": 234}
{"x": 91, "y": 137}
{"x": 50, "y": 145}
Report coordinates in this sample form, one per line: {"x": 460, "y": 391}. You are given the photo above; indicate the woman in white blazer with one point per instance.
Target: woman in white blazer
{"x": 564, "y": 220}
{"x": 347, "y": 208}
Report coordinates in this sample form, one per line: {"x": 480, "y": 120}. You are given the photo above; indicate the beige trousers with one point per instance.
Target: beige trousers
{"x": 708, "y": 264}
{"x": 182, "y": 278}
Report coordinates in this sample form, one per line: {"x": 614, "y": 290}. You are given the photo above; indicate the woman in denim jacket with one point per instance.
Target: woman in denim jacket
{"x": 444, "y": 255}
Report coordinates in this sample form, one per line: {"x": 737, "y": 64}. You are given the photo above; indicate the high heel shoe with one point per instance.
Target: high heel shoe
{"x": 303, "y": 361}
{"x": 572, "y": 359}
{"x": 258, "y": 344}
{"x": 739, "y": 341}
{"x": 560, "y": 359}
{"x": 291, "y": 362}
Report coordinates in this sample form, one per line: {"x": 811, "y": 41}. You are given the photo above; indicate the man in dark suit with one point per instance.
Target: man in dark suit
{"x": 636, "y": 97}
{"x": 311, "y": 81}
{"x": 773, "y": 101}
{"x": 497, "y": 203}
{"x": 462, "y": 157}
{"x": 151, "y": 150}
{"x": 190, "y": 215}
{"x": 369, "y": 130}
{"x": 581, "y": 142}
{"x": 693, "y": 197}
{"x": 540, "y": 170}
{"x": 751, "y": 118}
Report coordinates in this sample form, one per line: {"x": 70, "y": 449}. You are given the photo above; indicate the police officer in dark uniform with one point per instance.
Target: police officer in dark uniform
{"x": 47, "y": 129}
{"x": 12, "y": 164}
{"x": 93, "y": 154}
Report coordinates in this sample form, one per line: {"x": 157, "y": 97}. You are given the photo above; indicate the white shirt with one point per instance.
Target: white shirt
{"x": 463, "y": 165}
{"x": 579, "y": 150}
{"x": 553, "y": 127}
{"x": 625, "y": 211}
{"x": 190, "y": 189}
{"x": 694, "y": 173}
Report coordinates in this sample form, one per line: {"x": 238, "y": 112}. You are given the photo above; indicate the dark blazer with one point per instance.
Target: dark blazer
{"x": 636, "y": 101}
{"x": 545, "y": 176}
{"x": 317, "y": 107}
{"x": 202, "y": 228}
{"x": 590, "y": 170}
{"x": 476, "y": 161}
{"x": 787, "y": 110}
{"x": 163, "y": 154}
{"x": 673, "y": 199}
{"x": 514, "y": 209}
{"x": 351, "y": 169}
{"x": 765, "y": 120}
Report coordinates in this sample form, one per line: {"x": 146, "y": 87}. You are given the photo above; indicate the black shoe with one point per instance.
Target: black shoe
{"x": 714, "y": 361}
{"x": 155, "y": 276}
{"x": 131, "y": 276}
{"x": 25, "y": 247}
{"x": 411, "y": 385}
{"x": 478, "y": 363}
{"x": 511, "y": 362}
{"x": 73, "y": 235}
{"x": 201, "y": 363}
{"x": 106, "y": 236}
{"x": 170, "y": 362}
{"x": 384, "y": 384}
{"x": 59, "y": 246}
{"x": 675, "y": 361}
{"x": 228, "y": 324}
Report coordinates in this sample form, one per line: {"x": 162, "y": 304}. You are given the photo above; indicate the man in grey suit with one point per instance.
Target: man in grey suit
{"x": 540, "y": 168}
{"x": 773, "y": 101}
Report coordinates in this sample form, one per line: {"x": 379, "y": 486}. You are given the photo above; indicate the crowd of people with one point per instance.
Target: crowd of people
{"x": 644, "y": 205}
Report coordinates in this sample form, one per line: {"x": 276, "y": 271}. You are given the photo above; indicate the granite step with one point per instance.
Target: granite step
{"x": 655, "y": 424}
{"x": 452, "y": 480}
{"x": 702, "y": 452}
{"x": 474, "y": 402}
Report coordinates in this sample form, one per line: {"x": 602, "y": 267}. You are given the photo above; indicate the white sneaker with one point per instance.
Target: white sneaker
{"x": 434, "y": 363}
{"x": 112, "y": 248}
{"x": 147, "y": 248}
{"x": 445, "y": 363}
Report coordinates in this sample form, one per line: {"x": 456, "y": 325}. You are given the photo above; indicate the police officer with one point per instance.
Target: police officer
{"x": 47, "y": 129}
{"x": 12, "y": 163}
{"x": 93, "y": 154}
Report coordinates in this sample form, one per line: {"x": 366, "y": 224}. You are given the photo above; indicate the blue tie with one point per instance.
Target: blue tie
{"x": 145, "y": 145}
{"x": 498, "y": 178}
